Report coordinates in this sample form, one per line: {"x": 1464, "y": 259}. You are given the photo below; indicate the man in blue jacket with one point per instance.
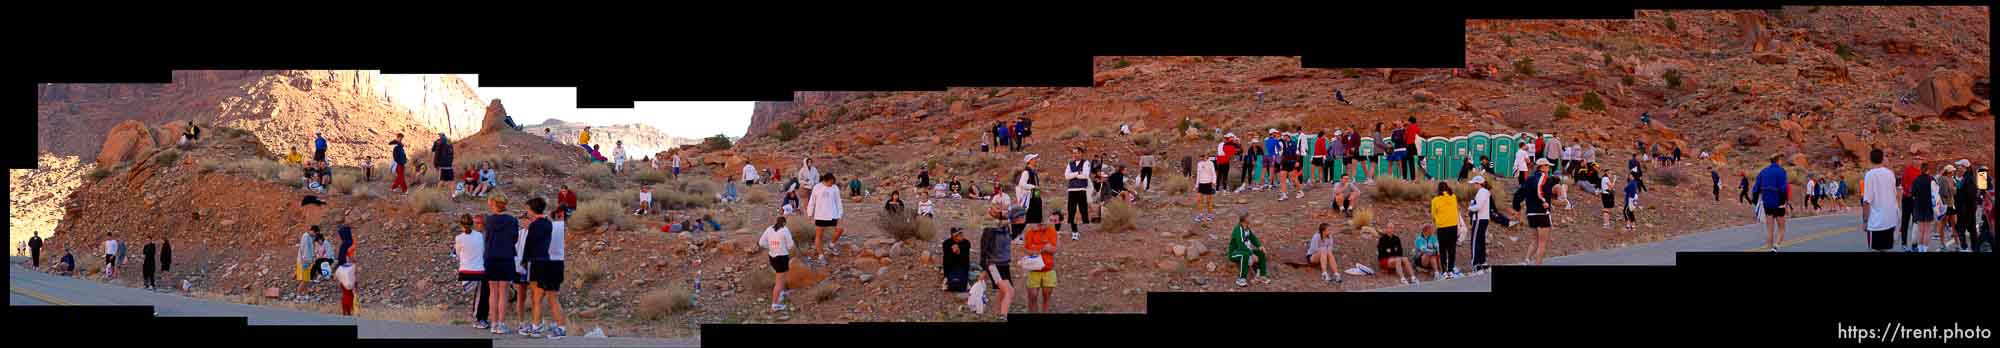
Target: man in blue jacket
{"x": 1772, "y": 194}
{"x": 319, "y": 148}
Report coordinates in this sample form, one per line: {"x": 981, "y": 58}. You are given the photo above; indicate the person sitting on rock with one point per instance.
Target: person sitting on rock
{"x": 191, "y": 134}
{"x": 791, "y": 204}
{"x": 67, "y": 266}
{"x": 292, "y": 156}
{"x": 645, "y": 200}
{"x": 729, "y": 190}
{"x": 895, "y": 202}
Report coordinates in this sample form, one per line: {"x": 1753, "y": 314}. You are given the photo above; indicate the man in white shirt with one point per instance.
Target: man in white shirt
{"x": 825, "y": 210}
{"x": 1879, "y": 204}
{"x": 677, "y": 165}
{"x": 1027, "y": 180}
{"x": 749, "y": 175}
{"x": 1521, "y": 156}
{"x": 777, "y": 242}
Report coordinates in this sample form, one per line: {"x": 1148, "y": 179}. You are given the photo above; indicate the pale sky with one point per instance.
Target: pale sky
{"x": 531, "y": 105}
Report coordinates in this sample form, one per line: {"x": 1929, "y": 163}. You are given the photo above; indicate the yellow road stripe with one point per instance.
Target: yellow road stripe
{"x": 1807, "y": 238}
{"x": 39, "y": 296}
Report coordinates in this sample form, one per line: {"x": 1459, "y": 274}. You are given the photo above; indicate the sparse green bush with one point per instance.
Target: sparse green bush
{"x": 822, "y": 294}
{"x": 1119, "y": 216}
{"x": 1671, "y": 25}
{"x": 429, "y": 200}
{"x": 904, "y": 225}
{"x": 1842, "y": 50}
{"x": 718, "y": 142}
{"x": 1351, "y": 73}
{"x": 1672, "y": 175}
{"x": 649, "y": 176}
{"x": 1525, "y": 66}
{"x": 1916, "y": 126}
{"x": 682, "y": 200}
{"x": 597, "y": 213}
{"x": 166, "y": 157}
{"x": 1562, "y": 111}
{"x": 759, "y": 278}
{"x": 659, "y": 304}
{"x": 1176, "y": 184}
{"x": 1120, "y": 64}
{"x": 597, "y": 175}
{"x": 755, "y": 196}
{"x": 1607, "y": 60}
{"x": 1628, "y": 80}
{"x": 1507, "y": 39}
{"x": 1143, "y": 140}
{"x": 97, "y": 173}
{"x": 344, "y": 181}
{"x": 1393, "y": 189}
{"x": 1592, "y": 102}
{"x": 1673, "y": 78}
{"x": 259, "y": 168}
{"x": 787, "y": 131}
{"x": 802, "y": 234}
{"x": 1069, "y": 133}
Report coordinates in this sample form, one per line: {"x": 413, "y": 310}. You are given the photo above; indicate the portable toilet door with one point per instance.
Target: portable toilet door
{"x": 1437, "y": 156}
{"x": 1461, "y": 152}
{"x": 1481, "y": 147}
{"x": 1306, "y": 153}
{"x": 1503, "y": 155}
{"x": 1367, "y": 152}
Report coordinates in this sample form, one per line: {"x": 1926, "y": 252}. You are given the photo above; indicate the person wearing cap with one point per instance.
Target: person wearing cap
{"x": 1480, "y": 212}
{"x": 1773, "y": 194}
{"x": 1205, "y": 184}
{"x": 1268, "y": 167}
{"x": 957, "y": 253}
{"x": 1539, "y": 193}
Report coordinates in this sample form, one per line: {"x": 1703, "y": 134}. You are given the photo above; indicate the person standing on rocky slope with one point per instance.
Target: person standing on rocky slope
{"x": 1146, "y": 163}
{"x": 319, "y": 147}
{"x": 1021, "y": 132}
{"x": 1540, "y": 192}
{"x": 1078, "y": 173}
{"x": 1224, "y": 151}
{"x": 824, "y": 207}
{"x": 583, "y": 137}
{"x": 749, "y": 175}
{"x": 1205, "y": 182}
{"x": 396, "y": 155}
{"x": 441, "y": 156}
{"x": 777, "y": 242}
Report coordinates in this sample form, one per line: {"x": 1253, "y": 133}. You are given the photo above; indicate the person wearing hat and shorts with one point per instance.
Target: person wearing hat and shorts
{"x": 1774, "y": 194}
{"x": 1541, "y": 190}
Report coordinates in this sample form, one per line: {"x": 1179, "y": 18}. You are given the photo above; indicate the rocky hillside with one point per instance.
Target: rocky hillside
{"x": 1745, "y": 84}
{"x": 640, "y": 139}
{"x": 358, "y": 111}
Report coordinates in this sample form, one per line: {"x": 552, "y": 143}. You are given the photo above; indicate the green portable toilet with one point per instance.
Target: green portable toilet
{"x": 1437, "y": 156}
{"x": 1503, "y": 148}
{"x": 1480, "y": 146}
{"x": 1461, "y": 150}
{"x": 1366, "y": 151}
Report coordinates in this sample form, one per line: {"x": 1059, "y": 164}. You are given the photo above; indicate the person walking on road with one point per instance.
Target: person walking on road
{"x": 1773, "y": 194}
{"x": 35, "y": 250}
{"x": 1879, "y": 204}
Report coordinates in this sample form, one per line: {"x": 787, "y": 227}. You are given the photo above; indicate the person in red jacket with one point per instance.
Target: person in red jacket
{"x": 567, "y": 199}
{"x": 1224, "y": 151}
{"x": 1411, "y": 137}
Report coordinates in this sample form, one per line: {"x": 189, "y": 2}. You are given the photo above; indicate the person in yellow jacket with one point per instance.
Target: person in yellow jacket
{"x": 1444, "y": 213}
{"x": 584, "y": 138}
{"x": 292, "y": 157}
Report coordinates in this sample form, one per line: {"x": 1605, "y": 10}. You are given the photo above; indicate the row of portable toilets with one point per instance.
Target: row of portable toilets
{"x": 1444, "y": 157}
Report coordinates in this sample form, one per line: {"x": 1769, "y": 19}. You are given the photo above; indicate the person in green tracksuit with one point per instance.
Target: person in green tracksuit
{"x": 1247, "y": 251}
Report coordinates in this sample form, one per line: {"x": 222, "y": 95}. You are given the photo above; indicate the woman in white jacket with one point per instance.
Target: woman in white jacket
{"x": 1480, "y": 212}
{"x": 825, "y": 210}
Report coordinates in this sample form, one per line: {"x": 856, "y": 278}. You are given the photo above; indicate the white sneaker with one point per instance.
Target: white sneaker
{"x": 1075, "y": 235}
{"x": 1240, "y": 282}
{"x": 1281, "y": 196}
{"x": 1325, "y": 276}
{"x": 1406, "y": 281}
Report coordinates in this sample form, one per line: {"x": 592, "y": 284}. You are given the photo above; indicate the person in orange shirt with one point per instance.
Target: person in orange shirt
{"x": 1041, "y": 240}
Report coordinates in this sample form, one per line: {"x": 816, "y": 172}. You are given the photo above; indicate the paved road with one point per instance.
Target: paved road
{"x": 1826, "y": 233}
{"x": 31, "y": 288}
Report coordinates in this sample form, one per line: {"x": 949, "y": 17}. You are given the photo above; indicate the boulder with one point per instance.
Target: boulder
{"x": 1946, "y": 91}
{"x": 867, "y": 263}
{"x": 271, "y": 292}
{"x": 1800, "y": 160}
{"x": 496, "y": 118}
{"x": 1770, "y": 58}
{"x": 169, "y": 133}
{"x": 959, "y": 107}
{"x": 1720, "y": 155}
{"x": 124, "y": 142}
{"x": 1852, "y": 146}
{"x": 1747, "y": 139}
{"x": 1920, "y": 148}
{"x": 1195, "y": 250}
{"x": 801, "y": 277}
{"x": 1423, "y": 95}
{"x": 1793, "y": 130}
{"x": 1178, "y": 250}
